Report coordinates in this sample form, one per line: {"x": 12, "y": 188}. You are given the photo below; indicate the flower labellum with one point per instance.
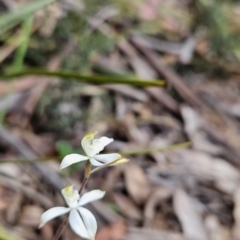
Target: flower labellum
{"x": 91, "y": 147}
{"x": 81, "y": 220}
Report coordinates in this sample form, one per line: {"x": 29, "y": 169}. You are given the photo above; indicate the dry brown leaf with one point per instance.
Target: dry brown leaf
{"x": 136, "y": 183}
{"x": 22, "y": 84}
{"x": 113, "y": 177}
{"x": 193, "y": 124}
{"x": 140, "y": 66}
{"x": 115, "y": 231}
{"x": 215, "y": 230}
{"x": 5, "y": 198}
{"x": 25, "y": 232}
{"x": 188, "y": 216}
{"x": 13, "y": 211}
{"x": 203, "y": 166}
{"x": 10, "y": 169}
{"x": 47, "y": 232}
{"x": 31, "y": 215}
{"x": 52, "y": 14}
{"x": 127, "y": 207}
{"x": 41, "y": 145}
{"x": 151, "y": 204}
{"x": 150, "y": 234}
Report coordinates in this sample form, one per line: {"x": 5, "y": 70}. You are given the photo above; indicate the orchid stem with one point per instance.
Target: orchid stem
{"x": 61, "y": 229}
{"x": 83, "y": 184}
{"x": 86, "y": 176}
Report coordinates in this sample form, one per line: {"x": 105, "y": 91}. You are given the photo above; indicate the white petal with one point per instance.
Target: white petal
{"x": 52, "y": 213}
{"x": 71, "y": 196}
{"x": 87, "y": 142}
{"x": 105, "y": 141}
{"x": 94, "y": 149}
{"x": 89, "y": 221}
{"x": 95, "y": 163}
{"x": 77, "y": 224}
{"x": 107, "y": 158}
{"x": 93, "y": 146}
{"x": 91, "y": 196}
{"x": 71, "y": 159}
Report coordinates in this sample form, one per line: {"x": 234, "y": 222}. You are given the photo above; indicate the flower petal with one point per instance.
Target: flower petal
{"x": 95, "y": 163}
{"x": 105, "y": 141}
{"x": 91, "y": 196}
{"x": 93, "y": 146}
{"x": 98, "y": 145}
{"x": 107, "y": 158}
{"x": 89, "y": 221}
{"x": 71, "y": 159}
{"x": 77, "y": 224}
{"x": 52, "y": 213}
{"x": 71, "y": 196}
{"x": 87, "y": 142}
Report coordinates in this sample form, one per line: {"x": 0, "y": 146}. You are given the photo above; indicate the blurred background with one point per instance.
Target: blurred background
{"x": 62, "y": 68}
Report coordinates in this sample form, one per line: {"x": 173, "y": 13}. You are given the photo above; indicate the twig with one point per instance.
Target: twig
{"x": 27, "y": 191}
{"x": 49, "y": 175}
{"x": 173, "y": 78}
{"x": 83, "y": 184}
{"x": 61, "y": 229}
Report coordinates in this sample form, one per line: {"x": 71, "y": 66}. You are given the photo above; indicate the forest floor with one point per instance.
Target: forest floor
{"x": 182, "y": 139}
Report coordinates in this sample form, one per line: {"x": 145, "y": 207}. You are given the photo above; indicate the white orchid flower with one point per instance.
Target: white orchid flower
{"x": 81, "y": 220}
{"x": 91, "y": 147}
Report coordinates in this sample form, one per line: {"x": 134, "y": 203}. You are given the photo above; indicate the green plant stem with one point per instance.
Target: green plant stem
{"x": 125, "y": 153}
{"x": 151, "y": 150}
{"x": 22, "y": 49}
{"x": 86, "y": 175}
{"x": 9, "y": 20}
{"x": 98, "y": 79}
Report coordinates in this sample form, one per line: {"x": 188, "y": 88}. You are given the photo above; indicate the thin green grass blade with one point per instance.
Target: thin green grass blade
{"x": 97, "y": 79}
{"x": 9, "y": 20}
{"x": 22, "y": 49}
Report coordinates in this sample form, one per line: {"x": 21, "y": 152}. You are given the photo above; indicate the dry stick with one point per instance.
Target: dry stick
{"x": 47, "y": 173}
{"x": 173, "y": 78}
{"x": 61, "y": 229}
{"x": 83, "y": 184}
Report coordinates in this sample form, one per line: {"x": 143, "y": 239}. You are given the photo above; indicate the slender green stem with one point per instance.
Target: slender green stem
{"x": 86, "y": 175}
{"x": 98, "y": 79}
{"x": 98, "y": 168}
{"x": 22, "y": 49}
{"x": 151, "y": 150}
{"x": 9, "y": 20}
{"x": 125, "y": 153}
